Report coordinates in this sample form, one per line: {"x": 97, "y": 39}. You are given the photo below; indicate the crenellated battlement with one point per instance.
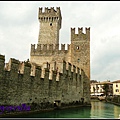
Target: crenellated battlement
{"x": 49, "y": 15}
{"x": 49, "y": 12}
{"x": 11, "y": 64}
{"x": 19, "y": 66}
{"x": 48, "y": 48}
{"x": 2, "y": 57}
{"x": 80, "y": 35}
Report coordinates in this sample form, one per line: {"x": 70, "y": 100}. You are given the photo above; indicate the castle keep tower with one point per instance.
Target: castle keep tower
{"x": 50, "y": 24}
{"x": 47, "y": 49}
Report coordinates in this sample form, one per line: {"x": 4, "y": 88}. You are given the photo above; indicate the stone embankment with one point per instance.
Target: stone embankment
{"x": 113, "y": 99}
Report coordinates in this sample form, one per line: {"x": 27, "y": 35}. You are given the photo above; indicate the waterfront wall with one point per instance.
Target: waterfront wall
{"x": 41, "y": 86}
{"x": 113, "y": 99}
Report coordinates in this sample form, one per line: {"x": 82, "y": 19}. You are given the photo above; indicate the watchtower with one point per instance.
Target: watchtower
{"x": 50, "y": 24}
{"x": 80, "y": 49}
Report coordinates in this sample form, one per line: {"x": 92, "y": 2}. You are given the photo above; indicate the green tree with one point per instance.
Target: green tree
{"x": 94, "y": 90}
{"x": 106, "y": 89}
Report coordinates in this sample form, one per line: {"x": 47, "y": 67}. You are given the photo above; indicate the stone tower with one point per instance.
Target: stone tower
{"x": 80, "y": 49}
{"x": 47, "y": 49}
{"x": 50, "y": 24}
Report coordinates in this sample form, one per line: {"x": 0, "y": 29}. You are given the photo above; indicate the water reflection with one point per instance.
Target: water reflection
{"x": 104, "y": 110}
{"x": 116, "y": 111}
{"x": 82, "y": 112}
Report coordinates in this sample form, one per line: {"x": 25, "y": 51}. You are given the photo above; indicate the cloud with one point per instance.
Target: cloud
{"x": 105, "y": 62}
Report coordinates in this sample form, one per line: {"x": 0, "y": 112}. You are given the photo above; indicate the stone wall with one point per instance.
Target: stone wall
{"x": 41, "y": 86}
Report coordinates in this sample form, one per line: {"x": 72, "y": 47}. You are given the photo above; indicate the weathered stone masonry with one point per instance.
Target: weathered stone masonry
{"x": 52, "y": 75}
{"x": 22, "y": 82}
{"x": 47, "y": 49}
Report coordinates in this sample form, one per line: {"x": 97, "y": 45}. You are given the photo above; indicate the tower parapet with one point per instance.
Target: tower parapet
{"x": 50, "y": 15}
{"x": 80, "y": 30}
{"x": 80, "y": 35}
{"x": 88, "y": 32}
{"x": 41, "y": 49}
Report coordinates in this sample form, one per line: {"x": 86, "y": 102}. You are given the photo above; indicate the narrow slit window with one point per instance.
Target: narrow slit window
{"x": 78, "y": 60}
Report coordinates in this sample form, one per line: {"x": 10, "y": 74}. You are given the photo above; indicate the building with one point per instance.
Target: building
{"x": 98, "y": 88}
{"x": 116, "y": 87}
{"x": 47, "y": 49}
{"x": 52, "y": 77}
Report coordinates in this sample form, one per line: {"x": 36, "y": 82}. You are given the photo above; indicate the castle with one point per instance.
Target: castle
{"x": 52, "y": 76}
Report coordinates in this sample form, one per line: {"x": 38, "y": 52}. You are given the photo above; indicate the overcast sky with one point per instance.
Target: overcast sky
{"x": 19, "y": 28}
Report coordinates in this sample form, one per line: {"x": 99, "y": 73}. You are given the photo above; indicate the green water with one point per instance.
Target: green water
{"x": 97, "y": 110}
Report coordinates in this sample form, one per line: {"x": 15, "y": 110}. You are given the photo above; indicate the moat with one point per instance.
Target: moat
{"x": 98, "y": 109}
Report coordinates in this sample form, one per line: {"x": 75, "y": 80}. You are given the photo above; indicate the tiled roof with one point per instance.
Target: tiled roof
{"x": 102, "y": 83}
{"x": 105, "y": 82}
{"x": 116, "y": 81}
